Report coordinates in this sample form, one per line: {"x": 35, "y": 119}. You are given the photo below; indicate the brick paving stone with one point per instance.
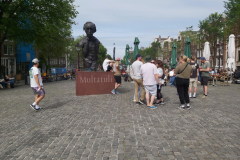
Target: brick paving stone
{"x": 113, "y": 127}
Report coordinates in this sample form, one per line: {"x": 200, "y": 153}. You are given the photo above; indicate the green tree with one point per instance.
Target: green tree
{"x": 55, "y": 46}
{"x": 102, "y": 54}
{"x": 211, "y": 30}
{"x": 154, "y": 51}
{"x": 73, "y": 54}
{"x": 109, "y": 56}
{"x": 28, "y": 20}
{"x": 193, "y": 35}
{"x": 123, "y": 60}
{"x": 233, "y": 18}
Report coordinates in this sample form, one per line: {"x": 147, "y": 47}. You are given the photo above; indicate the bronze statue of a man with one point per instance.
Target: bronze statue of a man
{"x": 90, "y": 46}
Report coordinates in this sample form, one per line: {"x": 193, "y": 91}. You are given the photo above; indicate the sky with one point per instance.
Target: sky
{"x": 120, "y": 21}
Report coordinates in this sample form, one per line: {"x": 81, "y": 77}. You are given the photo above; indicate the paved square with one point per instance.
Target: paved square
{"x": 113, "y": 127}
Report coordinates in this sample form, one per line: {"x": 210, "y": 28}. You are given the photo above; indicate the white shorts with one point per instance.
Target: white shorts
{"x": 152, "y": 89}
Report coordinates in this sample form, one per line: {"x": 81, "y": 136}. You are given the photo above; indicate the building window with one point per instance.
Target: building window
{"x": 5, "y": 49}
{"x": 10, "y": 50}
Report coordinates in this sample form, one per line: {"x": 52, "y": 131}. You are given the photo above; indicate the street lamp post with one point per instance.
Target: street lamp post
{"x": 78, "y": 50}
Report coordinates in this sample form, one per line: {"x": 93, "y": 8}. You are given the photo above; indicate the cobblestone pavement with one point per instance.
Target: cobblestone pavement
{"x": 113, "y": 127}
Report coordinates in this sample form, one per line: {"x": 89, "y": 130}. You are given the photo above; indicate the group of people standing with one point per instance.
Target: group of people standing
{"x": 186, "y": 75}
{"x": 150, "y": 78}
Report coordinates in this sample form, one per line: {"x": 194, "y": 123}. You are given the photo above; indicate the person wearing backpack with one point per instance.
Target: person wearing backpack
{"x": 183, "y": 72}
{"x": 161, "y": 76}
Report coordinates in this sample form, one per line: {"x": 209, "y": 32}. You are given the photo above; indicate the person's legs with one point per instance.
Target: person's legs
{"x": 195, "y": 88}
{"x": 152, "y": 100}
{"x": 143, "y": 90}
{"x": 185, "y": 87}
{"x": 117, "y": 85}
{"x": 153, "y": 90}
{"x": 190, "y": 87}
{"x": 180, "y": 90}
{"x": 136, "y": 89}
{"x": 3, "y": 84}
{"x": 36, "y": 97}
{"x": 159, "y": 94}
{"x": 39, "y": 99}
{"x": 139, "y": 92}
{"x": 205, "y": 90}
{"x": 147, "y": 99}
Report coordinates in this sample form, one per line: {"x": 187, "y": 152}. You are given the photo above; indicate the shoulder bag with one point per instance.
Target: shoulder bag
{"x": 176, "y": 77}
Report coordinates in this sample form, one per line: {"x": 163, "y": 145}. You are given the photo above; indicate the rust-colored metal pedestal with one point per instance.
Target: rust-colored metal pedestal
{"x": 92, "y": 83}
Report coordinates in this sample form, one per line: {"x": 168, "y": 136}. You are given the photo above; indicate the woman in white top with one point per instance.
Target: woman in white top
{"x": 160, "y": 68}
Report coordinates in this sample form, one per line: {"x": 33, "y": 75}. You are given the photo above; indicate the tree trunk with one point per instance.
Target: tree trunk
{"x": 57, "y": 68}
{"x": 48, "y": 62}
{"x": 1, "y": 60}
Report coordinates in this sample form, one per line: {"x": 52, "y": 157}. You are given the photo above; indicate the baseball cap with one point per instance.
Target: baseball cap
{"x": 203, "y": 58}
{"x": 138, "y": 55}
{"x": 118, "y": 59}
{"x": 35, "y": 60}
{"x": 108, "y": 57}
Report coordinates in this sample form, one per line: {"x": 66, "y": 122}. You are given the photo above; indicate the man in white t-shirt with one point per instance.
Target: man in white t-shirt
{"x": 137, "y": 78}
{"x": 36, "y": 84}
{"x": 150, "y": 79}
{"x": 108, "y": 64}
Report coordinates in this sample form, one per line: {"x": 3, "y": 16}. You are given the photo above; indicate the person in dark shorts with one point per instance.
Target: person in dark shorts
{"x": 205, "y": 76}
{"x": 118, "y": 78}
{"x": 36, "y": 84}
{"x": 193, "y": 77}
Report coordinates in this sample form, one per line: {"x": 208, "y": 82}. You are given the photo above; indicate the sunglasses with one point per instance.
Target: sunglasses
{"x": 152, "y": 62}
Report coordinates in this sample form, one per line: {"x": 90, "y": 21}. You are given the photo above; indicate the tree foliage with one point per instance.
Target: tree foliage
{"x": 211, "y": 30}
{"x": 102, "y": 54}
{"x": 152, "y": 51}
{"x": 109, "y": 56}
{"x": 42, "y": 21}
{"x": 193, "y": 35}
{"x": 233, "y": 18}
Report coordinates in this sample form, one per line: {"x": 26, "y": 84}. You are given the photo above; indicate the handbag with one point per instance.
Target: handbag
{"x": 163, "y": 76}
{"x": 175, "y": 80}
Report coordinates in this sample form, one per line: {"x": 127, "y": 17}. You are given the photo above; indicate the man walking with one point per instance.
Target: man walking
{"x": 36, "y": 84}
{"x": 150, "y": 79}
{"x": 193, "y": 77}
{"x": 205, "y": 76}
{"x": 137, "y": 78}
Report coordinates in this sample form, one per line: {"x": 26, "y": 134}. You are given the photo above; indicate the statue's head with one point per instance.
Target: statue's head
{"x": 89, "y": 28}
